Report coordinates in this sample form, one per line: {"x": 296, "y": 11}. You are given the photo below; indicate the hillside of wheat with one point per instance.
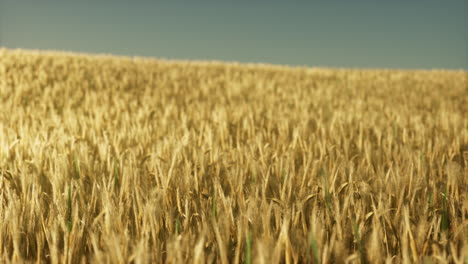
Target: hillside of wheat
{"x": 107, "y": 159}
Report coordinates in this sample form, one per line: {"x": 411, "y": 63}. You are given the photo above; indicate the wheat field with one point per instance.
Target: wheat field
{"x": 107, "y": 159}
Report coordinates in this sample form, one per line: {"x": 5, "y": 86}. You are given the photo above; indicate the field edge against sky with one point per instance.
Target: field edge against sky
{"x": 362, "y": 34}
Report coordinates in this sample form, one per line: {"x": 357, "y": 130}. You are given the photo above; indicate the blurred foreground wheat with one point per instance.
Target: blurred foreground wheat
{"x": 116, "y": 160}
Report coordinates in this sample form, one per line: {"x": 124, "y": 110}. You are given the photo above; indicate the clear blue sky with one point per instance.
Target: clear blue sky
{"x": 349, "y": 33}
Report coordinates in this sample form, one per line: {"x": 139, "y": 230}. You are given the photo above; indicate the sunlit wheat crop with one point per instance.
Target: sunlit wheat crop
{"x": 109, "y": 159}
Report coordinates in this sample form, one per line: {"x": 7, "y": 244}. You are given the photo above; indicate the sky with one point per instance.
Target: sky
{"x": 416, "y": 34}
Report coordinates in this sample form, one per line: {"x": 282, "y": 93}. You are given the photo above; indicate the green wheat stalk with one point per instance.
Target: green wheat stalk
{"x": 248, "y": 251}
{"x": 69, "y": 209}
{"x": 444, "y": 224}
{"x": 314, "y": 247}
{"x": 359, "y": 243}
